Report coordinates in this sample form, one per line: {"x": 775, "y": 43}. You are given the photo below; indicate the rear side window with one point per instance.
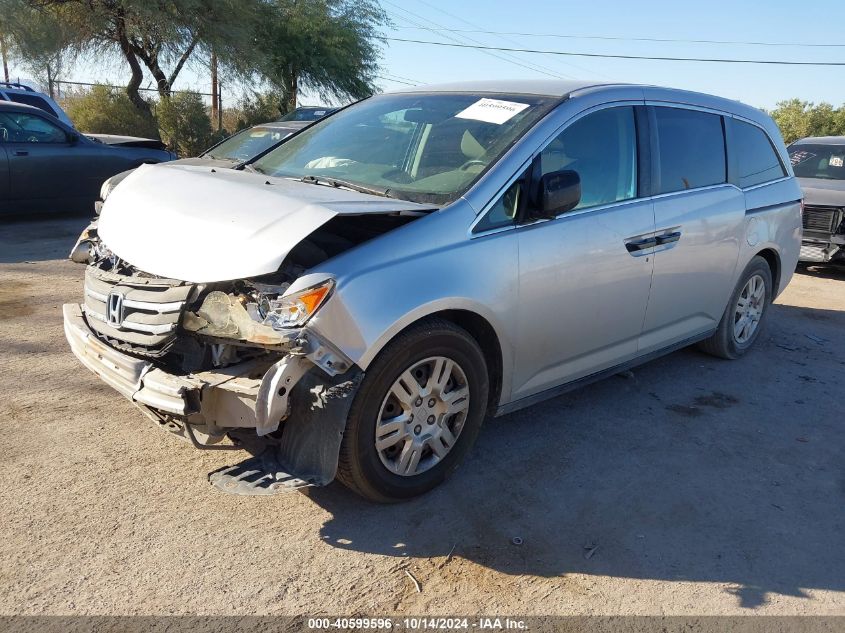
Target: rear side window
{"x": 757, "y": 159}
{"x": 32, "y": 100}
{"x": 691, "y": 146}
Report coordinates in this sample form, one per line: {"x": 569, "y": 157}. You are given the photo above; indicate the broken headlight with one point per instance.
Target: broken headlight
{"x": 293, "y": 310}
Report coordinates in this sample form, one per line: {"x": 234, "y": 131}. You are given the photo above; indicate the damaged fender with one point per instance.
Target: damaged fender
{"x": 271, "y": 404}
{"x": 310, "y": 444}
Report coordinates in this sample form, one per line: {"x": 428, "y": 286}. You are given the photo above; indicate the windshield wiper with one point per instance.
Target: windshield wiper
{"x": 345, "y": 184}
{"x": 248, "y": 167}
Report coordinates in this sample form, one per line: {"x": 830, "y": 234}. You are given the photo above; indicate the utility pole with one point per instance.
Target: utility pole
{"x": 219, "y": 106}
{"x": 50, "y": 82}
{"x": 215, "y": 101}
{"x": 3, "y": 54}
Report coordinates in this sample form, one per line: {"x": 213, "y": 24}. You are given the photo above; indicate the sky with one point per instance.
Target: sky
{"x": 774, "y": 21}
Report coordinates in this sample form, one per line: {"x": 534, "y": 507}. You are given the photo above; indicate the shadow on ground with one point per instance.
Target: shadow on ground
{"x": 690, "y": 470}
{"x": 40, "y": 238}
{"x": 823, "y": 271}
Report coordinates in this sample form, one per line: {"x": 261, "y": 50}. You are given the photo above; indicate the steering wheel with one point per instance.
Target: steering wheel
{"x": 32, "y": 139}
{"x": 473, "y": 163}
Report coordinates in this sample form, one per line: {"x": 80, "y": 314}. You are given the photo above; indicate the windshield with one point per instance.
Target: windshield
{"x": 248, "y": 143}
{"x": 419, "y": 147}
{"x": 306, "y": 114}
{"x": 818, "y": 161}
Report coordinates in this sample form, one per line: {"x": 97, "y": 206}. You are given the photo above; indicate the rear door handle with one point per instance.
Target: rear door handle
{"x": 668, "y": 238}
{"x": 21, "y": 152}
{"x": 634, "y": 246}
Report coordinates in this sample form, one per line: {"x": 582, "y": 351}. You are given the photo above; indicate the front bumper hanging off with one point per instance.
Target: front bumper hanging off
{"x": 257, "y": 394}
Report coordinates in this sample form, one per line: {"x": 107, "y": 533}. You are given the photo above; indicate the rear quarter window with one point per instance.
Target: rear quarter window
{"x": 691, "y": 149}
{"x": 757, "y": 160}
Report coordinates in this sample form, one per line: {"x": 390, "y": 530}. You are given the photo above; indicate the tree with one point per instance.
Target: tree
{"x": 252, "y": 110}
{"x": 157, "y": 35}
{"x": 328, "y": 46}
{"x": 105, "y": 110}
{"x": 184, "y": 123}
{"x": 798, "y": 119}
{"x": 42, "y": 43}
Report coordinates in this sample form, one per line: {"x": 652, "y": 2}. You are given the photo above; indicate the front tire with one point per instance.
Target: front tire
{"x": 416, "y": 414}
{"x": 745, "y": 314}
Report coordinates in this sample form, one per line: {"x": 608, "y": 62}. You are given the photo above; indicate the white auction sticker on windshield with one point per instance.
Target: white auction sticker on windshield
{"x": 492, "y": 111}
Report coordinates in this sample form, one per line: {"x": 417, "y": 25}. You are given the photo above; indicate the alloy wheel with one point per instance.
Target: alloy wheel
{"x": 422, "y": 416}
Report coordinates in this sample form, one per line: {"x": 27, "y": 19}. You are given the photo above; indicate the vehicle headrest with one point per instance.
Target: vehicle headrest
{"x": 470, "y": 147}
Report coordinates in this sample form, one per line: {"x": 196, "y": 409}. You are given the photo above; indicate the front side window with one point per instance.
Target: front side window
{"x": 757, "y": 160}
{"x": 419, "y": 147}
{"x": 503, "y": 212}
{"x": 17, "y": 127}
{"x": 602, "y": 148}
{"x": 691, "y": 149}
{"x": 818, "y": 161}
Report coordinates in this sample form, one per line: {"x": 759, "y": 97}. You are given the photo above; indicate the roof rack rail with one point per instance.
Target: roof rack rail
{"x": 14, "y": 84}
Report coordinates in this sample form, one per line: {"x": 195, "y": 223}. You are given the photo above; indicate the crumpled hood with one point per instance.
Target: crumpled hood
{"x": 823, "y": 192}
{"x": 200, "y": 224}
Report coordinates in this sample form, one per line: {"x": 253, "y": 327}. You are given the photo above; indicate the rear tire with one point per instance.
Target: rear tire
{"x": 745, "y": 314}
{"x": 442, "y": 359}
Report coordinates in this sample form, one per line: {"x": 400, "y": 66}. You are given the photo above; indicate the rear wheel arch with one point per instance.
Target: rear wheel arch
{"x": 773, "y": 260}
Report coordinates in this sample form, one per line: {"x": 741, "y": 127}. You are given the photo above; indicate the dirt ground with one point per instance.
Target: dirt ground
{"x": 695, "y": 486}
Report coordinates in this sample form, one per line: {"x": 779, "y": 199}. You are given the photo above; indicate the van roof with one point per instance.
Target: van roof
{"x": 552, "y": 87}
{"x": 565, "y": 87}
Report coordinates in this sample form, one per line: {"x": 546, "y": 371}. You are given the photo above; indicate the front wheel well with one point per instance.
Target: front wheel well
{"x": 773, "y": 260}
{"x": 479, "y": 329}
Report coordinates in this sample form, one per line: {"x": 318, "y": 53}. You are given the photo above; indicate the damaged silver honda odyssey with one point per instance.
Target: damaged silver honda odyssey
{"x": 366, "y": 293}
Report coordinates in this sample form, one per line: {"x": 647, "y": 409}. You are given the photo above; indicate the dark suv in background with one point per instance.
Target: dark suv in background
{"x": 21, "y": 93}
{"x": 819, "y": 165}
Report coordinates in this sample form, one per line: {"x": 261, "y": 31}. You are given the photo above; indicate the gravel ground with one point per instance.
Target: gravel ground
{"x": 695, "y": 486}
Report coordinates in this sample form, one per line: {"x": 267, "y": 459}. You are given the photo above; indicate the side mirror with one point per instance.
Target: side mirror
{"x": 72, "y": 138}
{"x": 559, "y": 192}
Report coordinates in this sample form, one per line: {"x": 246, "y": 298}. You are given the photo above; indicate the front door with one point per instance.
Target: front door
{"x": 585, "y": 276}
{"x": 44, "y": 169}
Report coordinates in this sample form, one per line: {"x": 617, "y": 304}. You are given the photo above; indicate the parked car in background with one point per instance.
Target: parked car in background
{"x": 47, "y": 166}
{"x": 252, "y": 141}
{"x": 21, "y": 93}
{"x": 819, "y": 165}
{"x": 307, "y": 113}
{"x": 229, "y": 152}
{"x": 369, "y": 290}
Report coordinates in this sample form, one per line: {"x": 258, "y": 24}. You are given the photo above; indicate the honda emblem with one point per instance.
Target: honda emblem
{"x": 114, "y": 309}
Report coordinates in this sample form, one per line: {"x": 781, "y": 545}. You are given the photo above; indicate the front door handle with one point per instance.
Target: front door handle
{"x": 21, "y": 152}
{"x": 634, "y": 246}
{"x": 668, "y": 238}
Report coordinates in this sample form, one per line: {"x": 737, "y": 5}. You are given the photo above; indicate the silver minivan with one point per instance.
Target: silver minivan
{"x": 363, "y": 295}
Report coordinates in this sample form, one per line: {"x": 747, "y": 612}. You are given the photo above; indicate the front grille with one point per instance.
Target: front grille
{"x": 151, "y": 308}
{"x": 821, "y": 219}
